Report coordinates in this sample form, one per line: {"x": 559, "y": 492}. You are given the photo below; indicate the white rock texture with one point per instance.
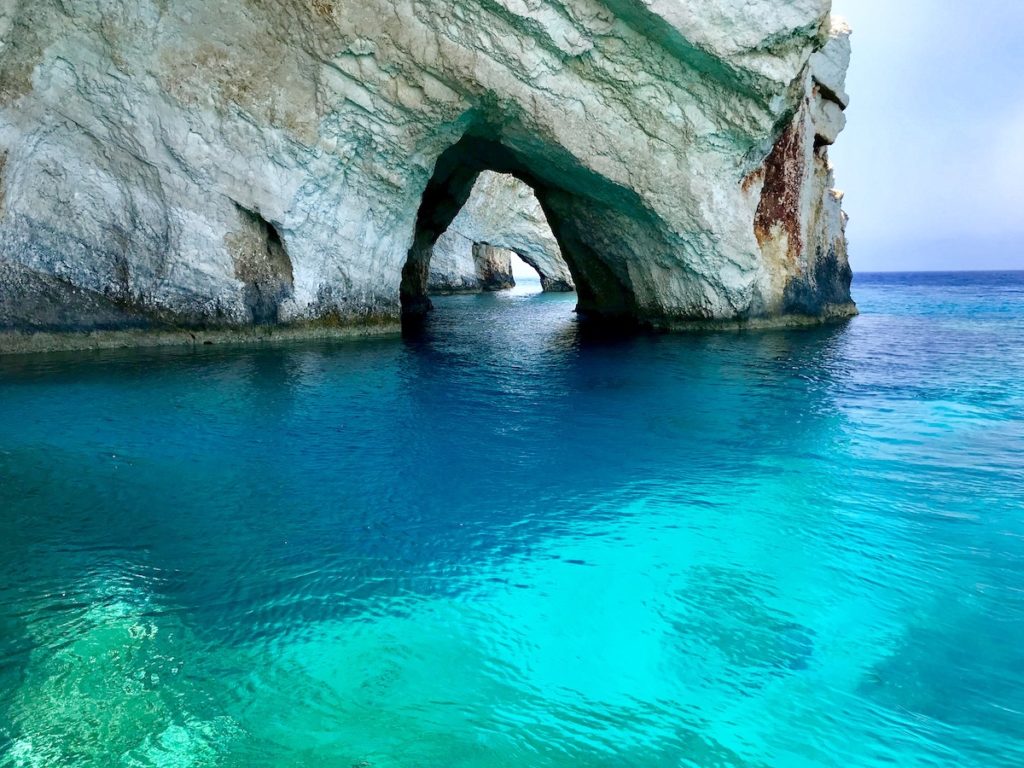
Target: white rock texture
{"x": 292, "y": 162}
{"x": 460, "y": 265}
{"x": 502, "y": 212}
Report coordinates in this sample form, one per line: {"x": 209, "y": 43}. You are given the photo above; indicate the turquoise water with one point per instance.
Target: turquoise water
{"x": 507, "y": 543}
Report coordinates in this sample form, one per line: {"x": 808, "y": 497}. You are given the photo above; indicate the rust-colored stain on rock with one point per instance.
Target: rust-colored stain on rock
{"x": 324, "y": 8}
{"x": 784, "y": 172}
{"x": 752, "y": 178}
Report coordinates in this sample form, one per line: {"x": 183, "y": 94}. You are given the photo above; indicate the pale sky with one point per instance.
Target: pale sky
{"x": 523, "y": 271}
{"x": 932, "y": 159}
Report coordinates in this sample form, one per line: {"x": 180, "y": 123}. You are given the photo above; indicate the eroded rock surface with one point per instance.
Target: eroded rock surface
{"x": 495, "y": 267}
{"x": 460, "y": 265}
{"x": 502, "y": 212}
{"x": 283, "y": 162}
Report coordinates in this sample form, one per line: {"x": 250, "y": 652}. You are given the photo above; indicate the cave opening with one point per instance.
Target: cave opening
{"x": 262, "y": 263}
{"x": 499, "y": 235}
{"x": 527, "y": 277}
{"x": 581, "y": 209}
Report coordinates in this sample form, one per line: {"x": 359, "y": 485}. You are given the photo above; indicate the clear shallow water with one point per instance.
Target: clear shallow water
{"x": 508, "y": 544}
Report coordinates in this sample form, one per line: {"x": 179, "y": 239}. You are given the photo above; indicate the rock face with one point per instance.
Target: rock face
{"x": 463, "y": 266}
{"x": 495, "y": 267}
{"x": 293, "y": 162}
{"x": 503, "y": 212}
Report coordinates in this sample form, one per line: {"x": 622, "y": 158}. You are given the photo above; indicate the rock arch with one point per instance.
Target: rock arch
{"x": 591, "y": 218}
{"x": 679, "y": 151}
{"x": 501, "y": 216}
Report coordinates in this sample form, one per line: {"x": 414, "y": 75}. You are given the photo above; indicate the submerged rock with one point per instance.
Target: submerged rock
{"x": 293, "y": 163}
{"x": 501, "y": 216}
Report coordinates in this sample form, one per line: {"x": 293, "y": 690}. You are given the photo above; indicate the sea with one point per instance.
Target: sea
{"x": 506, "y": 540}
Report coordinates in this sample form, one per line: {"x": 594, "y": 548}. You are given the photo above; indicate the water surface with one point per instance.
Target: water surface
{"x": 506, "y": 543}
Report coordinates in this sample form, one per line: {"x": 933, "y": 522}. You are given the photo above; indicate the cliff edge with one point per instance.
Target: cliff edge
{"x": 289, "y": 164}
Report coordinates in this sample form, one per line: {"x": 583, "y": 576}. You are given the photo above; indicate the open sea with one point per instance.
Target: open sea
{"x": 505, "y": 542}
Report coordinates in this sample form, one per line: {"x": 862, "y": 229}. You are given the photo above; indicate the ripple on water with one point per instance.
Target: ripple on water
{"x": 503, "y": 542}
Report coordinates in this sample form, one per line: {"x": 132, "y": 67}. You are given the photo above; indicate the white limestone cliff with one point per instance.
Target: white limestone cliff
{"x": 291, "y": 163}
{"x": 461, "y": 265}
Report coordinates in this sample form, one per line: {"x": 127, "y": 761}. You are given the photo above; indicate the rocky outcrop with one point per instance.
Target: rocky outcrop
{"x": 453, "y": 266}
{"x": 502, "y": 212}
{"x": 463, "y": 266}
{"x": 273, "y": 163}
{"x": 495, "y": 265}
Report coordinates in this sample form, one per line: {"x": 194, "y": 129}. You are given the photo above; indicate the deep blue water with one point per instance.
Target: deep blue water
{"x": 507, "y": 543}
